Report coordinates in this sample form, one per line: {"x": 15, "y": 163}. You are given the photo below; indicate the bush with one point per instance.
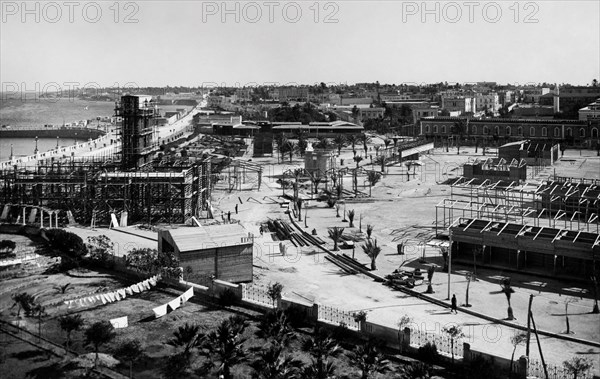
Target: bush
{"x": 428, "y": 353}
{"x": 296, "y": 316}
{"x": 479, "y": 367}
{"x": 227, "y": 298}
{"x": 66, "y": 243}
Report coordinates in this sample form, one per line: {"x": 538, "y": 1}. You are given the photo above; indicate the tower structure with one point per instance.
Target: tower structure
{"x": 137, "y": 130}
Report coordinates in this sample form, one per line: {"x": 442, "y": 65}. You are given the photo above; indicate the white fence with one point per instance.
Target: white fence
{"x": 257, "y": 294}
{"x": 536, "y": 369}
{"x": 337, "y": 316}
{"x": 442, "y": 342}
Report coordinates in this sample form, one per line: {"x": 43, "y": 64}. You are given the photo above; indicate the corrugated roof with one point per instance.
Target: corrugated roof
{"x": 206, "y": 237}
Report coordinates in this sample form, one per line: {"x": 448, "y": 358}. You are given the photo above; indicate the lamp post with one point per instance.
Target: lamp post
{"x": 449, "y": 264}
{"x": 57, "y": 140}
{"x": 35, "y": 151}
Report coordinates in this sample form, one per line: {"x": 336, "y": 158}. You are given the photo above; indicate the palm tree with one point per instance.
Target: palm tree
{"x": 364, "y": 139}
{"x": 273, "y": 364}
{"x": 224, "y": 345}
{"x": 469, "y": 276}
{"x": 323, "y": 143}
{"x": 274, "y": 326}
{"x": 339, "y": 141}
{"x": 291, "y": 147}
{"x": 357, "y": 159}
{"x": 335, "y": 234}
{"x": 129, "y": 351}
{"x": 459, "y": 129}
{"x": 577, "y": 365}
{"x": 373, "y": 177}
{"x": 186, "y": 336}
{"x": 351, "y": 217}
{"x": 369, "y": 230}
{"x": 372, "y": 250}
{"x": 595, "y": 291}
{"x": 352, "y": 139}
{"x": 98, "y": 334}
{"x": 454, "y": 332}
{"x": 321, "y": 346}
{"x": 416, "y": 370}
{"x": 70, "y": 324}
{"x": 281, "y": 144}
{"x": 23, "y": 301}
{"x": 508, "y": 291}
{"x": 368, "y": 358}
{"x": 402, "y": 324}
{"x": 516, "y": 340}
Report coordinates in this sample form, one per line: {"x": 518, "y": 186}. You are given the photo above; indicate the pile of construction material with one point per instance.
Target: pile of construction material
{"x": 405, "y": 278}
{"x": 283, "y": 231}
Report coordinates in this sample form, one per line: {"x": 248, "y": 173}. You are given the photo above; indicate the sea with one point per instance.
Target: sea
{"x": 43, "y": 111}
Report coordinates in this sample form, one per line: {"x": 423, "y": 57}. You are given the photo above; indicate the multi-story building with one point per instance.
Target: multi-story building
{"x": 591, "y": 112}
{"x": 569, "y": 100}
{"x": 289, "y": 93}
{"x": 460, "y": 104}
{"x": 370, "y": 113}
{"x": 503, "y": 130}
{"x": 487, "y": 102}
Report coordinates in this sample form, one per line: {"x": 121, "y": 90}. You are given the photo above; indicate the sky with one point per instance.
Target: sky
{"x": 236, "y": 43}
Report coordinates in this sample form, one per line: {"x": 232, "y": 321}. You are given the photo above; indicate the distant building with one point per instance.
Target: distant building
{"x": 315, "y": 129}
{"x": 370, "y": 113}
{"x": 289, "y": 93}
{"x": 217, "y": 251}
{"x": 462, "y": 104}
{"x": 504, "y": 130}
{"x": 487, "y": 102}
{"x": 569, "y": 100}
{"x": 591, "y": 112}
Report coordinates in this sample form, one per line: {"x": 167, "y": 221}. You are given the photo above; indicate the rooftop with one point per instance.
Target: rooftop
{"x": 211, "y": 236}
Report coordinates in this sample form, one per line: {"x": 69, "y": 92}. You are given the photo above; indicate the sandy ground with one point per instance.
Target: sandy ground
{"x": 404, "y": 210}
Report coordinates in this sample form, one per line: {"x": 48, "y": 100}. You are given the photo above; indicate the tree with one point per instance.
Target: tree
{"x": 224, "y": 345}
{"x": 23, "y": 301}
{"x": 416, "y": 370}
{"x": 404, "y": 321}
{"x": 458, "y": 130}
{"x": 508, "y": 291}
{"x": 568, "y": 301}
{"x": 98, "y": 334}
{"x": 186, "y": 337}
{"x": 39, "y": 311}
{"x": 100, "y": 248}
{"x": 516, "y": 340}
{"x": 372, "y": 250}
{"x": 352, "y": 139}
{"x": 454, "y": 332}
{"x": 357, "y": 159}
{"x": 365, "y": 139}
{"x": 368, "y": 359}
{"x": 369, "y": 230}
{"x": 335, "y": 234}
{"x": 320, "y": 346}
{"x": 7, "y": 246}
{"x": 351, "y": 215}
{"x": 339, "y": 141}
{"x": 69, "y": 245}
{"x": 271, "y": 363}
{"x": 430, "y": 272}
{"x": 275, "y": 327}
{"x": 130, "y": 351}
{"x": 373, "y": 177}
{"x": 323, "y": 143}
{"x": 70, "y": 324}
{"x": 152, "y": 262}
{"x": 469, "y": 276}
{"x": 595, "y": 291}
{"x": 577, "y": 365}
{"x": 282, "y": 143}
{"x": 274, "y": 292}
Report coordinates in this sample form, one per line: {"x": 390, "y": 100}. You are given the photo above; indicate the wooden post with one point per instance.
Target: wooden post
{"x": 539, "y": 345}
{"x": 528, "y": 326}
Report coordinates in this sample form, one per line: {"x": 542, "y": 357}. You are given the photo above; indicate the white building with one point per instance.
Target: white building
{"x": 591, "y": 112}
{"x": 487, "y": 101}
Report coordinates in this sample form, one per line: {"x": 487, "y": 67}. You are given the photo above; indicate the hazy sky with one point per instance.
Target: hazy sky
{"x": 195, "y": 42}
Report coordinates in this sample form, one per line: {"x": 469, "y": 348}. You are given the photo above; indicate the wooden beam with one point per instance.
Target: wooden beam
{"x": 501, "y": 230}
{"x": 558, "y": 235}
{"x": 577, "y": 236}
{"x": 597, "y": 242}
{"x": 538, "y": 233}
{"x": 483, "y": 229}
{"x": 519, "y": 233}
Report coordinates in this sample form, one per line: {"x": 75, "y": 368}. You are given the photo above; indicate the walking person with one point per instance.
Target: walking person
{"x": 454, "y": 308}
{"x": 236, "y": 209}
{"x": 229, "y": 217}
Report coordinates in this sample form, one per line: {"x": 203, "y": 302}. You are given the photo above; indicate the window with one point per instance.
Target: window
{"x": 474, "y": 129}
{"x": 497, "y": 130}
{"x": 486, "y": 130}
{"x": 508, "y": 130}
{"x": 544, "y": 132}
{"x": 426, "y": 129}
{"x": 435, "y": 129}
{"x": 443, "y": 129}
{"x": 520, "y": 131}
{"x": 556, "y": 132}
{"x": 595, "y": 133}
{"x": 569, "y": 132}
{"x": 582, "y": 132}
{"x": 532, "y": 132}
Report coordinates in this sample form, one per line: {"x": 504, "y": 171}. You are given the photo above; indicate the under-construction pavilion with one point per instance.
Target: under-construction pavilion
{"x": 130, "y": 187}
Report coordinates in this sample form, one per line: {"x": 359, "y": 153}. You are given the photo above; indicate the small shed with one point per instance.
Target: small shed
{"x": 216, "y": 251}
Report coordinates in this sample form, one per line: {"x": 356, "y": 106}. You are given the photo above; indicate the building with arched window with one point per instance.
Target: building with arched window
{"x": 498, "y": 131}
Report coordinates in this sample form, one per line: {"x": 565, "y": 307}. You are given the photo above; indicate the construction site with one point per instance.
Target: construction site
{"x": 130, "y": 187}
